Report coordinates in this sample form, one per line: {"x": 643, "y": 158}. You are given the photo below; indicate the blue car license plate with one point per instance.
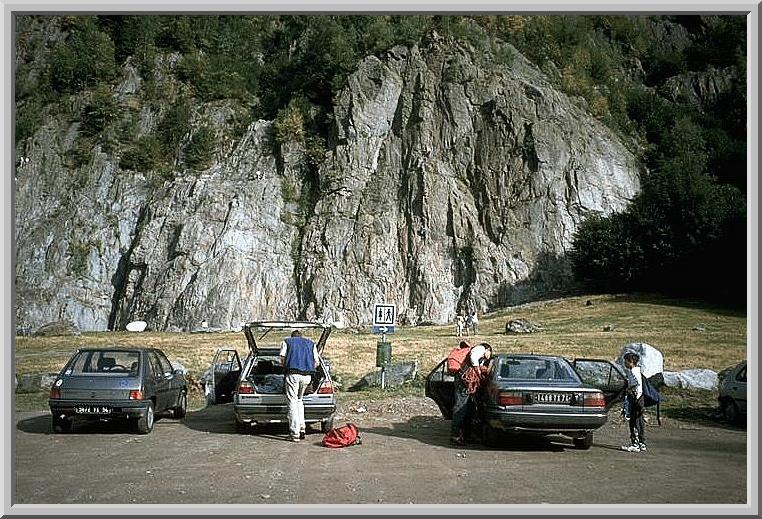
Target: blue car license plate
{"x": 552, "y": 398}
{"x": 92, "y": 409}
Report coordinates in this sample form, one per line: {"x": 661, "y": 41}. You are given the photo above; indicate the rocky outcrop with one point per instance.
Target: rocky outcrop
{"x": 700, "y": 89}
{"x": 455, "y": 181}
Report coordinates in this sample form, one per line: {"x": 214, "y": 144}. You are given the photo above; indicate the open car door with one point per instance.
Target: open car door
{"x": 440, "y": 387}
{"x": 226, "y": 369}
{"x": 603, "y": 375}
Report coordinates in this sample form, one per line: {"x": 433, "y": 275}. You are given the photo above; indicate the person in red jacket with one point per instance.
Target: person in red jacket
{"x": 467, "y": 383}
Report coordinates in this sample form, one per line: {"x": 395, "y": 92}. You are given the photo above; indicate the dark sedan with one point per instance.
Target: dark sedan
{"x": 540, "y": 394}
{"x": 130, "y": 384}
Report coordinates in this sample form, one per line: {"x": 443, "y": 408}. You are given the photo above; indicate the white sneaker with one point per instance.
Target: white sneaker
{"x": 642, "y": 447}
{"x": 631, "y": 448}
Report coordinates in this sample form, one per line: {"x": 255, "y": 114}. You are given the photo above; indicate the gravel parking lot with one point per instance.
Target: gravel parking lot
{"x": 404, "y": 458}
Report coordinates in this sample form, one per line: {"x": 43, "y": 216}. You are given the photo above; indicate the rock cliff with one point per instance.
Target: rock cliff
{"x": 456, "y": 180}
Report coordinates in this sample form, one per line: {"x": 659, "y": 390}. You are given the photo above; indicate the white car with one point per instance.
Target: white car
{"x": 732, "y": 393}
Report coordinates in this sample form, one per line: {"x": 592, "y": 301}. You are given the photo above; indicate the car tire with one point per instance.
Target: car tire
{"x": 327, "y": 424}
{"x": 145, "y": 423}
{"x": 242, "y": 427}
{"x": 490, "y": 435}
{"x": 730, "y": 411}
{"x": 182, "y": 406}
{"x": 62, "y": 425}
{"x": 585, "y": 442}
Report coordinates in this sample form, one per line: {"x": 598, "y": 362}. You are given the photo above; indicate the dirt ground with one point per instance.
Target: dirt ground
{"x": 404, "y": 458}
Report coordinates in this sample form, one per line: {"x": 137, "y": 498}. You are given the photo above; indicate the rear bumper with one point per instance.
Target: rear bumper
{"x": 119, "y": 408}
{"x": 279, "y": 413}
{"x": 546, "y": 423}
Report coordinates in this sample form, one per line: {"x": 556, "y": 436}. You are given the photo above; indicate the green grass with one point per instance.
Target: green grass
{"x": 569, "y": 328}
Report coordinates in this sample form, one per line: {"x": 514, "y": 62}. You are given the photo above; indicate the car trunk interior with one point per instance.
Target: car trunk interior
{"x": 266, "y": 374}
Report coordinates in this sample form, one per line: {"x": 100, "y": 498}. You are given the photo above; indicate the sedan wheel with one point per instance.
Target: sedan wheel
{"x": 62, "y": 425}
{"x": 489, "y": 435}
{"x": 730, "y": 411}
{"x": 585, "y": 442}
{"x": 182, "y": 406}
{"x": 145, "y": 422}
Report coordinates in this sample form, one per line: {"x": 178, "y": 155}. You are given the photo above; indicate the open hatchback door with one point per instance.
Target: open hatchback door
{"x": 603, "y": 375}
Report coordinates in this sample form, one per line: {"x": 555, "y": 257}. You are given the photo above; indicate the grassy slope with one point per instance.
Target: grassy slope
{"x": 569, "y": 328}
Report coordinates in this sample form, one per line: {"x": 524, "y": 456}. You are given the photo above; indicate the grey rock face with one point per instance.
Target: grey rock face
{"x": 700, "y": 88}
{"x": 455, "y": 182}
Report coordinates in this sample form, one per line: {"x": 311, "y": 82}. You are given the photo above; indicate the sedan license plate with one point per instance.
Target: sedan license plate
{"x": 92, "y": 409}
{"x": 552, "y": 398}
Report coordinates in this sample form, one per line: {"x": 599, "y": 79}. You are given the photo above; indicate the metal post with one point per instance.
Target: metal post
{"x": 383, "y": 364}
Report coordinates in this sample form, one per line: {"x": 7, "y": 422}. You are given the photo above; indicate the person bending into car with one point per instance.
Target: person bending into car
{"x": 299, "y": 358}
{"x": 635, "y": 403}
{"x": 467, "y": 383}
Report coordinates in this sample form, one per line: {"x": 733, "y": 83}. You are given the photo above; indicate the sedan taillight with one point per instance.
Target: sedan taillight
{"x": 55, "y": 393}
{"x": 246, "y": 388}
{"x": 136, "y": 395}
{"x": 510, "y": 398}
{"x": 325, "y": 388}
{"x": 594, "y": 400}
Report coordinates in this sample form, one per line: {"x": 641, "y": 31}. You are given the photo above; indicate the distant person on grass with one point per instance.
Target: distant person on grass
{"x": 459, "y": 324}
{"x": 299, "y": 358}
{"x": 473, "y": 321}
{"x": 467, "y": 383}
{"x": 635, "y": 405}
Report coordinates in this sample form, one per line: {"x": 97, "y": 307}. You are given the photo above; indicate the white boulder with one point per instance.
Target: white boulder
{"x": 651, "y": 359}
{"x": 136, "y": 326}
{"x": 691, "y": 379}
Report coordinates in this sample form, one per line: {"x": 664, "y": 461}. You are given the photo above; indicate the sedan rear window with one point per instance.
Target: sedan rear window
{"x": 106, "y": 362}
{"x": 535, "y": 369}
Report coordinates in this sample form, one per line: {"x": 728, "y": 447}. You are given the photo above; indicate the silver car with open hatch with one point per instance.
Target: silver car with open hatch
{"x": 256, "y": 385}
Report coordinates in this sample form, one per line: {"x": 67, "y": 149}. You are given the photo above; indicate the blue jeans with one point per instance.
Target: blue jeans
{"x": 462, "y": 412}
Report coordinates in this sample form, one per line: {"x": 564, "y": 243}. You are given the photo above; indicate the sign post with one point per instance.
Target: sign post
{"x": 384, "y": 319}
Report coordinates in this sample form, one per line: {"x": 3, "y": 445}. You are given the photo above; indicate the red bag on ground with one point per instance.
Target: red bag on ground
{"x": 342, "y": 436}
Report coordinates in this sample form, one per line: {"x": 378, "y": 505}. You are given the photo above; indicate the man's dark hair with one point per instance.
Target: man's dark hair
{"x": 296, "y": 333}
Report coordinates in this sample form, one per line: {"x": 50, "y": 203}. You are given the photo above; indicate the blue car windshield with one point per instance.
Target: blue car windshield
{"x": 105, "y": 362}
{"x": 535, "y": 368}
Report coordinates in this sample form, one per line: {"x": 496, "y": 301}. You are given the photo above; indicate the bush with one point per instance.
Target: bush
{"x": 144, "y": 156}
{"x": 101, "y": 112}
{"x": 289, "y": 125}
{"x": 85, "y": 58}
{"x": 199, "y": 153}
{"x": 174, "y": 126}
